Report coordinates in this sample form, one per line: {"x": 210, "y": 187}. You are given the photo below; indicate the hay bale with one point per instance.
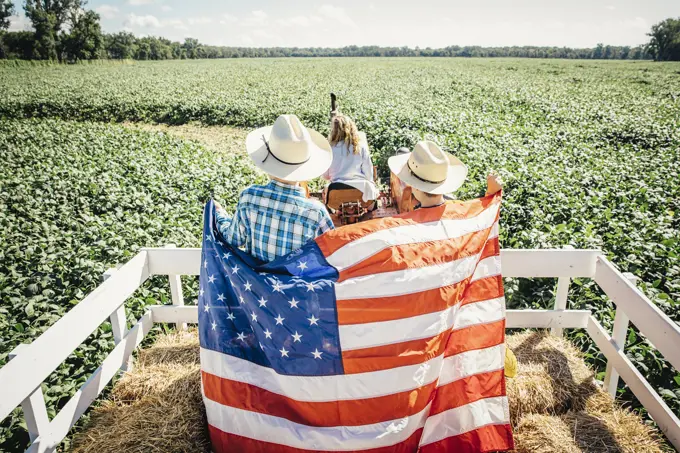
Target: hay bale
{"x": 616, "y": 431}
{"x": 158, "y": 405}
{"x": 155, "y": 407}
{"x": 176, "y": 347}
{"x": 552, "y": 377}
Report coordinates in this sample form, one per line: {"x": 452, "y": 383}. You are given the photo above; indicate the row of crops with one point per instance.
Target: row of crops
{"x": 590, "y": 152}
{"x": 76, "y": 199}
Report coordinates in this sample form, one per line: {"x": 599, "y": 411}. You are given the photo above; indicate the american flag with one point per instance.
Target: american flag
{"x": 383, "y": 336}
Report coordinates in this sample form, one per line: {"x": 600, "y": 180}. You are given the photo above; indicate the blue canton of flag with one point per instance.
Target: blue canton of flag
{"x": 280, "y": 315}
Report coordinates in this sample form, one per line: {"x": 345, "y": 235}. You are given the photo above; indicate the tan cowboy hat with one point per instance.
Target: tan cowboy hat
{"x": 288, "y": 150}
{"x": 429, "y": 169}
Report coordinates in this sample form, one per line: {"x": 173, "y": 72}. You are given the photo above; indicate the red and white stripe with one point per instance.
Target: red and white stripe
{"x": 422, "y": 325}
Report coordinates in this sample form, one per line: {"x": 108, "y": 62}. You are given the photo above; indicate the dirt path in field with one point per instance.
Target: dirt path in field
{"x": 222, "y": 139}
{"x": 227, "y": 140}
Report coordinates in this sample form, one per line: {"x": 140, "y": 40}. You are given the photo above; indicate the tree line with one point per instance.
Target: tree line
{"x": 65, "y": 31}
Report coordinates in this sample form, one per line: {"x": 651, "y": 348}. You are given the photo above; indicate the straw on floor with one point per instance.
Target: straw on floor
{"x": 555, "y": 405}
{"x": 575, "y": 432}
{"x": 157, "y": 407}
{"x": 552, "y": 379}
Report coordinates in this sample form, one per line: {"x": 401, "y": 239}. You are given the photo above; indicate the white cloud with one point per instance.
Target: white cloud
{"x": 638, "y": 22}
{"x": 260, "y": 15}
{"x": 337, "y": 14}
{"x": 19, "y": 23}
{"x": 246, "y": 40}
{"x": 166, "y": 8}
{"x": 107, "y": 11}
{"x": 296, "y": 21}
{"x": 256, "y": 19}
{"x": 199, "y": 20}
{"x": 262, "y": 34}
{"x": 611, "y": 7}
{"x": 147, "y": 21}
{"x": 556, "y": 25}
{"x": 140, "y": 2}
{"x": 371, "y": 6}
{"x": 228, "y": 19}
{"x": 177, "y": 24}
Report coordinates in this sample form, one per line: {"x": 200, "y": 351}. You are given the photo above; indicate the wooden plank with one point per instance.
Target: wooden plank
{"x": 548, "y": 263}
{"x": 23, "y": 375}
{"x": 516, "y": 262}
{"x": 619, "y": 333}
{"x": 561, "y": 301}
{"x": 174, "y": 314}
{"x": 668, "y": 422}
{"x": 619, "y": 337}
{"x": 569, "y": 319}
{"x": 176, "y": 291}
{"x": 649, "y": 319}
{"x": 35, "y": 411}
{"x": 118, "y": 318}
{"x": 81, "y": 401}
{"x": 119, "y": 324}
{"x": 182, "y": 261}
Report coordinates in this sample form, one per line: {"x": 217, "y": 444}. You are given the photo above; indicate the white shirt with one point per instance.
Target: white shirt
{"x": 355, "y": 170}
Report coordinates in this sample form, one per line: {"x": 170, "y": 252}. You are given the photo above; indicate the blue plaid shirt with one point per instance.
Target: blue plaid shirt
{"x": 273, "y": 220}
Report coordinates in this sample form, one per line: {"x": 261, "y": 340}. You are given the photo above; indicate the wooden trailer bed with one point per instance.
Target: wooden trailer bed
{"x": 555, "y": 404}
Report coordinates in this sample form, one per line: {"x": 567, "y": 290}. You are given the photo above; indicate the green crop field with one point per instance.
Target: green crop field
{"x": 589, "y": 150}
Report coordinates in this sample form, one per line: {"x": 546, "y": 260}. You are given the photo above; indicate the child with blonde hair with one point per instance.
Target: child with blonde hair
{"x": 352, "y": 166}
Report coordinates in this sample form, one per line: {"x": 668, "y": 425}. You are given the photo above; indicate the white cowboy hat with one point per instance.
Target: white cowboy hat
{"x": 288, "y": 150}
{"x": 429, "y": 169}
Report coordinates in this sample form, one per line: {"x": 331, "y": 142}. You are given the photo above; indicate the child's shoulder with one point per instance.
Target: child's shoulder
{"x": 252, "y": 195}
{"x": 312, "y": 205}
{"x": 254, "y": 189}
{"x": 315, "y": 204}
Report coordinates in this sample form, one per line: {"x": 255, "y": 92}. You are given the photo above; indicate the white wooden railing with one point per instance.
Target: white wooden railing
{"x": 31, "y": 364}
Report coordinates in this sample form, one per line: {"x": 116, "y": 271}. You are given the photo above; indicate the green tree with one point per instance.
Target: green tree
{"x": 6, "y": 10}
{"x": 665, "y": 40}
{"x": 159, "y": 48}
{"x": 121, "y": 46}
{"x": 45, "y": 38}
{"x": 19, "y": 44}
{"x": 598, "y": 52}
{"x": 191, "y": 46}
{"x": 143, "y": 50}
{"x": 48, "y": 17}
{"x": 85, "y": 42}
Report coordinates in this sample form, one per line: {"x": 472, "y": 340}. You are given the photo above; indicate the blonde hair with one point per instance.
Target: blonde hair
{"x": 343, "y": 129}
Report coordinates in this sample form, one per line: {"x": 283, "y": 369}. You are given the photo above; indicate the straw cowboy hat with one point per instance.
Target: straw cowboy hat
{"x": 429, "y": 169}
{"x": 288, "y": 150}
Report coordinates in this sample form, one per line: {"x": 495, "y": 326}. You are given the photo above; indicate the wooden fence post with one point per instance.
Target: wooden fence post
{"x": 118, "y": 318}
{"x": 35, "y": 412}
{"x": 619, "y": 336}
{"x": 561, "y": 297}
{"x": 176, "y": 292}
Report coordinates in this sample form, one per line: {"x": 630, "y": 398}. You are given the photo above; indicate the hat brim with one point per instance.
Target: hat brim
{"x": 456, "y": 175}
{"x": 320, "y": 159}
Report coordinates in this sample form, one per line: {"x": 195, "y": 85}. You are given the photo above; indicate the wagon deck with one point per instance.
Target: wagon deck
{"x": 555, "y": 404}
{"x": 21, "y": 378}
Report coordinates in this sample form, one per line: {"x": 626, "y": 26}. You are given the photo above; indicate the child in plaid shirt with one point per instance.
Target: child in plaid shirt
{"x": 277, "y": 218}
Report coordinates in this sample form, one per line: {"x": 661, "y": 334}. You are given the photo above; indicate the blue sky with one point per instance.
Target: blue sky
{"x": 434, "y": 23}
